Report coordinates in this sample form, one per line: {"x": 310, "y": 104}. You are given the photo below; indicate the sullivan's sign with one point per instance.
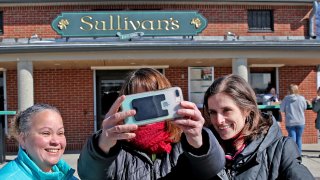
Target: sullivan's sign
{"x": 133, "y": 23}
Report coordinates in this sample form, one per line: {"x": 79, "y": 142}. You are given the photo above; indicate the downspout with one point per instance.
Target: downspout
{"x": 312, "y": 19}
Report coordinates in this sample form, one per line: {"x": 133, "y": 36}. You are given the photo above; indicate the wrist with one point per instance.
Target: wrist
{"x": 104, "y": 143}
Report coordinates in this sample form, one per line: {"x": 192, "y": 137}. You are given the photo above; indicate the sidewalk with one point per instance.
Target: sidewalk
{"x": 311, "y": 158}
{"x": 310, "y": 152}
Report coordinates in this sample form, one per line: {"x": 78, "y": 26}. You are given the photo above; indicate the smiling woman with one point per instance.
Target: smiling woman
{"x": 40, "y": 133}
{"x": 252, "y": 141}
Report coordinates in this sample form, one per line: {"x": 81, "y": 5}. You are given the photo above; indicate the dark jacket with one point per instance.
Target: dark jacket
{"x": 270, "y": 157}
{"x": 124, "y": 162}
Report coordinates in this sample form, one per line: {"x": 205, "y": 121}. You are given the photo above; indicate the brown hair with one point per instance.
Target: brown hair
{"x": 244, "y": 96}
{"x": 149, "y": 79}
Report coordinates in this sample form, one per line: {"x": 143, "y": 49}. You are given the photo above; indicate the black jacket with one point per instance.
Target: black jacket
{"x": 124, "y": 162}
{"x": 270, "y": 157}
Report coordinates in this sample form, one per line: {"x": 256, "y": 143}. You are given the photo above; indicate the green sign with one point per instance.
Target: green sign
{"x": 128, "y": 24}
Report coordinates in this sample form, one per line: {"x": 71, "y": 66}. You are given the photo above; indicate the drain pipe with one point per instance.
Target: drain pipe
{"x": 312, "y": 19}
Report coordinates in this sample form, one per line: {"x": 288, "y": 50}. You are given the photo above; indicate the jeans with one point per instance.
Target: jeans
{"x": 295, "y": 132}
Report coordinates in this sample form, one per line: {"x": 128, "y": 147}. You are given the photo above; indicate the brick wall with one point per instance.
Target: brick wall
{"x": 222, "y": 71}
{"x": 71, "y": 91}
{"x": 305, "y": 78}
{"x": 178, "y": 76}
{"x": 22, "y": 22}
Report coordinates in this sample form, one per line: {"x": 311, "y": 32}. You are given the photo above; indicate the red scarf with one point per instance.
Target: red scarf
{"x": 152, "y": 138}
{"x": 233, "y": 147}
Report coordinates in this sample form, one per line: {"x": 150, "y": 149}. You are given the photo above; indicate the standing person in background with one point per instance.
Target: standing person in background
{"x": 172, "y": 149}
{"x": 40, "y": 133}
{"x": 271, "y": 98}
{"x": 316, "y": 109}
{"x": 253, "y": 143}
{"x": 294, "y": 105}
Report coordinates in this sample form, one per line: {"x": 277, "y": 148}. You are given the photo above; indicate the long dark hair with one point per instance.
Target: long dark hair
{"x": 244, "y": 96}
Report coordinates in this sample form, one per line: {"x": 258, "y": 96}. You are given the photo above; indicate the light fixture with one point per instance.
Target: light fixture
{"x": 266, "y": 65}
{"x": 127, "y": 67}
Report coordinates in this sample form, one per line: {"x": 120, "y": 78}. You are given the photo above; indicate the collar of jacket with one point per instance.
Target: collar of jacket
{"x": 255, "y": 148}
{"x": 60, "y": 171}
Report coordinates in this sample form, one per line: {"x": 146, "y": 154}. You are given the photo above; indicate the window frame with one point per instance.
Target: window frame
{"x": 1, "y": 23}
{"x": 265, "y": 18}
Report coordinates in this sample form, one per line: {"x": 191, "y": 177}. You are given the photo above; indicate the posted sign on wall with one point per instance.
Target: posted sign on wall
{"x": 146, "y": 23}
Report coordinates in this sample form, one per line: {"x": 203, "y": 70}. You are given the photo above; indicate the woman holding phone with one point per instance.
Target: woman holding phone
{"x": 180, "y": 149}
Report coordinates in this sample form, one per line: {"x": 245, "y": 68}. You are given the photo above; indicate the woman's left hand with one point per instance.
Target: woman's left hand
{"x": 191, "y": 123}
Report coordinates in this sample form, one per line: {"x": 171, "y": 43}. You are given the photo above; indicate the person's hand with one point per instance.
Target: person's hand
{"x": 191, "y": 123}
{"x": 113, "y": 128}
{"x": 308, "y": 102}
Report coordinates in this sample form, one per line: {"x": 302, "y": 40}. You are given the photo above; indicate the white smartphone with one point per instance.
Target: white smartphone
{"x": 153, "y": 106}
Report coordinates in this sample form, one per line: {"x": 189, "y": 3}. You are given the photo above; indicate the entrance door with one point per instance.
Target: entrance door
{"x": 108, "y": 83}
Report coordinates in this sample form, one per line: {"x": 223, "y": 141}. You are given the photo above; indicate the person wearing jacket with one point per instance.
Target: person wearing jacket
{"x": 294, "y": 105}
{"x": 316, "y": 109}
{"x": 40, "y": 133}
{"x": 252, "y": 141}
{"x": 271, "y": 98}
{"x": 171, "y": 149}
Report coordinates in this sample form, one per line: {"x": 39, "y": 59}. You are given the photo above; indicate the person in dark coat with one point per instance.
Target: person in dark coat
{"x": 253, "y": 143}
{"x": 179, "y": 149}
{"x": 316, "y": 109}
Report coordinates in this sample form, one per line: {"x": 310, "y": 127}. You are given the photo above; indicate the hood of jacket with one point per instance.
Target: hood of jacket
{"x": 255, "y": 148}
{"x": 292, "y": 97}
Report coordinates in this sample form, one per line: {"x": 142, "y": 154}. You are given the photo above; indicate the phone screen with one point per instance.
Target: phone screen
{"x": 149, "y": 107}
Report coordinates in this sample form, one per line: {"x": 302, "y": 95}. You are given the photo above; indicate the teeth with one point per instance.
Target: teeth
{"x": 52, "y": 150}
{"x": 224, "y": 127}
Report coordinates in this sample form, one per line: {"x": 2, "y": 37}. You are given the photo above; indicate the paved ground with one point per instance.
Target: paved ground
{"x": 311, "y": 159}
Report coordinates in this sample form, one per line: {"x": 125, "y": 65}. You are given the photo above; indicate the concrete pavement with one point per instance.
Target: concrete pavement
{"x": 311, "y": 158}
{"x": 310, "y": 152}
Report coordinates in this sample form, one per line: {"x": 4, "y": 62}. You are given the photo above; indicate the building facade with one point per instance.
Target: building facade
{"x": 269, "y": 43}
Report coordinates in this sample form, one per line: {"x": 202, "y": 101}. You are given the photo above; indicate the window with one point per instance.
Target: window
{"x": 261, "y": 80}
{"x": 1, "y": 23}
{"x": 260, "y": 20}
{"x": 200, "y": 79}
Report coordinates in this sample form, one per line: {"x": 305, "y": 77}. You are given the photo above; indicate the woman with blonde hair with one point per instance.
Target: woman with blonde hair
{"x": 294, "y": 105}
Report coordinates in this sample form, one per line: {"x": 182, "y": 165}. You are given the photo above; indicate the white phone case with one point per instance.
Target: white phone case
{"x": 153, "y": 106}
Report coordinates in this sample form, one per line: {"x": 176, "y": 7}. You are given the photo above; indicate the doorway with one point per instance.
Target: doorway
{"x": 108, "y": 84}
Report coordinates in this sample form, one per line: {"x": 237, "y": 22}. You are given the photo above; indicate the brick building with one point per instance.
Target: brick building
{"x": 268, "y": 43}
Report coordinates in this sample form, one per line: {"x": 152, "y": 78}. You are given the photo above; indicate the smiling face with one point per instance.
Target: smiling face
{"x": 45, "y": 142}
{"x": 225, "y": 116}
